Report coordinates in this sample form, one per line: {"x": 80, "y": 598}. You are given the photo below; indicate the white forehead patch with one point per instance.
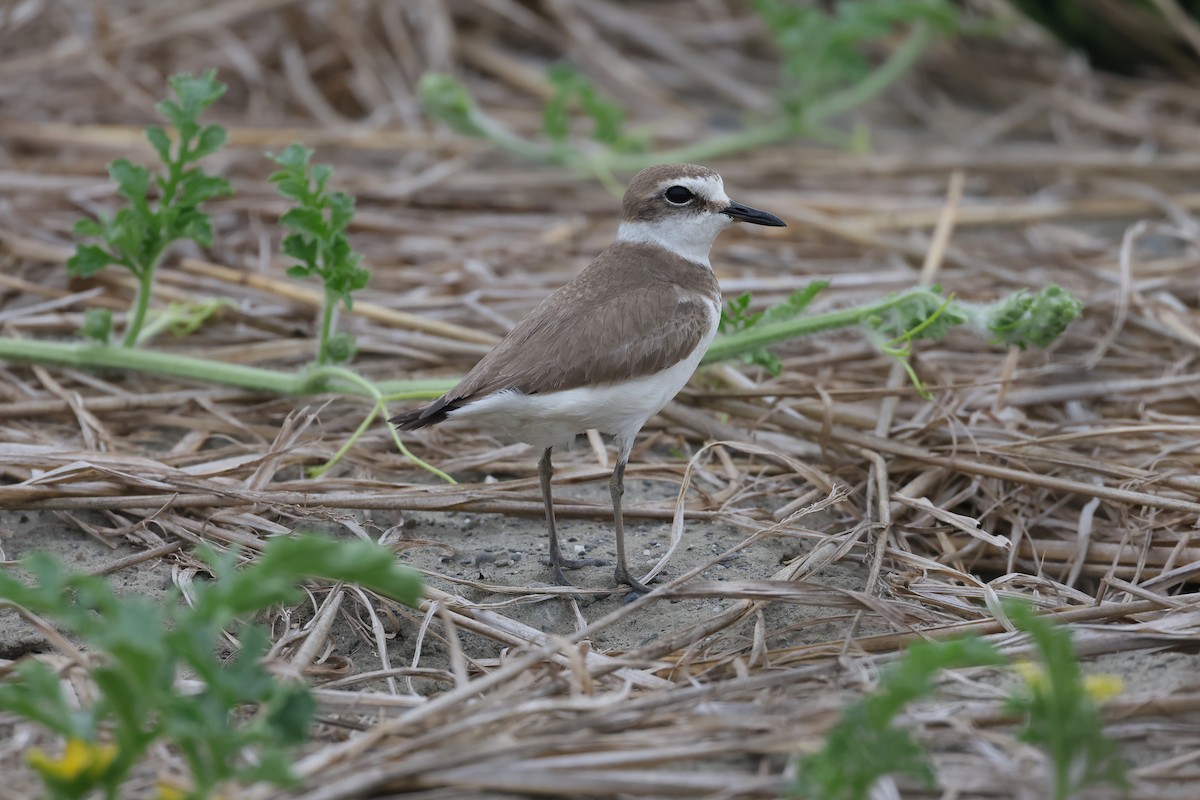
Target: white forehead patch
{"x": 710, "y": 187}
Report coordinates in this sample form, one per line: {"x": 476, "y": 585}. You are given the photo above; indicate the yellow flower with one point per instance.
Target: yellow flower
{"x": 170, "y": 791}
{"x": 80, "y": 761}
{"x": 1031, "y": 673}
{"x": 1101, "y": 687}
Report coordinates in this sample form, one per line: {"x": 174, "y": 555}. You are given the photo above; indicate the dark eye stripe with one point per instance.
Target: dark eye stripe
{"x": 679, "y": 195}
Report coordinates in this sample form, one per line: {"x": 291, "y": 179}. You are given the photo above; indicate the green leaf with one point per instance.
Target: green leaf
{"x": 302, "y": 249}
{"x": 570, "y": 87}
{"x": 197, "y": 93}
{"x": 320, "y": 175}
{"x": 37, "y": 695}
{"x": 88, "y": 260}
{"x": 194, "y": 225}
{"x": 133, "y": 235}
{"x": 363, "y": 563}
{"x": 795, "y": 304}
{"x": 824, "y": 45}
{"x": 1024, "y": 319}
{"x": 97, "y": 324}
{"x": 88, "y": 227}
{"x": 174, "y": 114}
{"x": 922, "y": 315}
{"x": 864, "y": 746}
{"x": 1060, "y": 716}
{"x": 295, "y": 158}
{"x": 212, "y": 138}
{"x": 133, "y": 182}
{"x": 319, "y": 220}
{"x": 160, "y": 141}
{"x": 341, "y": 211}
{"x": 448, "y": 100}
{"x": 138, "y": 235}
{"x": 735, "y": 315}
{"x": 140, "y": 647}
{"x": 308, "y": 221}
{"x": 556, "y": 119}
{"x": 196, "y": 187}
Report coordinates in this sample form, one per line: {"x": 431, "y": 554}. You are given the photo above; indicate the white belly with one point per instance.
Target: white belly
{"x": 553, "y": 419}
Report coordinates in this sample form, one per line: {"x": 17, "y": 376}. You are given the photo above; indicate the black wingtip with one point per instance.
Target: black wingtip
{"x": 422, "y": 417}
{"x": 407, "y": 420}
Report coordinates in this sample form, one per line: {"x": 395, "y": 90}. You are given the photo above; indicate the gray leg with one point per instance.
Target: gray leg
{"x": 557, "y": 562}
{"x": 617, "y": 489}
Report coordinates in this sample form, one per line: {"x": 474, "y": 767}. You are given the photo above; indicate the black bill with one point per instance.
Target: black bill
{"x": 753, "y": 215}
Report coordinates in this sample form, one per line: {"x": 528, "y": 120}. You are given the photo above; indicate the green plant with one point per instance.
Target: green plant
{"x": 824, "y": 73}
{"x": 882, "y": 318}
{"x": 736, "y": 316}
{"x": 318, "y": 241}
{"x": 138, "y": 236}
{"x": 893, "y": 323}
{"x": 608, "y": 119}
{"x": 1056, "y": 706}
{"x": 824, "y": 49}
{"x": 162, "y": 208}
{"x": 240, "y": 726}
{"x": 865, "y": 746}
{"x": 1026, "y": 318}
{"x": 1060, "y": 714}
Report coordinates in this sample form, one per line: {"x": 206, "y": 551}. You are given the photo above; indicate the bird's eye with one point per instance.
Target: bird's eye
{"x": 679, "y": 196}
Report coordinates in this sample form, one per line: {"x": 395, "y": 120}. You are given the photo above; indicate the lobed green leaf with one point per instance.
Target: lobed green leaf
{"x": 87, "y": 260}
{"x": 212, "y": 138}
{"x": 160, "y": 141}
{"x": 195, "y": 186}
{"x": 864, "y": 746}
{"x": 1024, "y": 319}
{"x": 294, "y": 158}
{"x": 133, "y": 182}
{"x": 448, "y": 100}
{"x": 306, "y": 220}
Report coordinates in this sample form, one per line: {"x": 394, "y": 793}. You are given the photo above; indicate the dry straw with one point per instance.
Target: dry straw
{"x": 1067, "y": 477}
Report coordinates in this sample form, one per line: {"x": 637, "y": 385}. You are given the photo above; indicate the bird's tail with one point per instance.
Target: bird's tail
{"x": 431, "y": 414}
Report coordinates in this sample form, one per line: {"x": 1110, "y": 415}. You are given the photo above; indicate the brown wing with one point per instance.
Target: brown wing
{"x": 634, "y": 311}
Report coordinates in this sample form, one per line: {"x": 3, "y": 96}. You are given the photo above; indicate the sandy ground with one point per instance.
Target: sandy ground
{"x": 496, "y": 560}
{"x": 472, "y": 554}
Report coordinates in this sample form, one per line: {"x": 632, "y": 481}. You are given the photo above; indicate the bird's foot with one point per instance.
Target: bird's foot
{"x": 573, "y": 563}
{"x": 636, "y": 587}
{"x": 557, "y": 567}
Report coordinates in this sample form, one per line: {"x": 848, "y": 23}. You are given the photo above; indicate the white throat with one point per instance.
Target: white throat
{"x": 688, "y": 237}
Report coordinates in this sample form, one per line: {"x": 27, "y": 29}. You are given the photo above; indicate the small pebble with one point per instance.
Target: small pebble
{"x": 579, "y": 548}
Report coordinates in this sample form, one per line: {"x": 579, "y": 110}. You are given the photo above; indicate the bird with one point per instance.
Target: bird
{"x": 609, "y": 349}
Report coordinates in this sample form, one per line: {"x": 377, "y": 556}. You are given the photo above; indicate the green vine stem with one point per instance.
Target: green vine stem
{"x": 337, "y": 380}
{"x": 1020, "y": 318}
{"x": 735, "y": 345}
{"x": 380, "y": 408}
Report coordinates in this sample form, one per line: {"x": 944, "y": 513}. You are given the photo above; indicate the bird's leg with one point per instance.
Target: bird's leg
{"x": 557, "y": 562}
{"x": 616, "y": 486}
